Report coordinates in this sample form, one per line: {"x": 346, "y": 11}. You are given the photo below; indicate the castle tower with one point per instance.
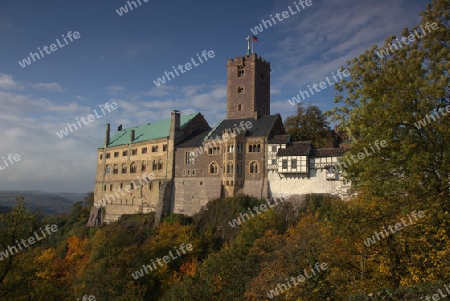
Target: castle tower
{"x": 248, "y": 91}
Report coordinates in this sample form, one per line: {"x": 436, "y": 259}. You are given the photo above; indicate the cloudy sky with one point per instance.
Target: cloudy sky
{"x": 117, "y": 58}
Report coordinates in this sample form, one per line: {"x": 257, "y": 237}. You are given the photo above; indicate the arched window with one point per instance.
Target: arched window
{"x": 160, "y": 164}
{"x": 240, "y": 89}
{"x": 239, "y": 107}
{"x": 108, "y": 169}
{"x": 254, "y": 167}
{"x": 258, "y": 148}
{"x": 110, "y": 187}
{"x": 115, "y": 169}
{"x": 213, "y": 168}
{"x": 154, "y": 165}
{"x": 143, "y": 166}
{"x": 249, "y": 148}
{"x": 133, "y": 168}
{"x": 104, "y": 187}
{"x": 239, "y": 168}
{"x": 124, "y": 168}
{"x": 230, "y": 167}
{"x": 121, "y": 185}
{"x": 150, "y": 185}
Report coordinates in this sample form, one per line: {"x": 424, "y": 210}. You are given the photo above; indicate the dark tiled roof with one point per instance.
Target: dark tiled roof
{"x": 194, "y": 140}
{"x": 260, "y": 127}
{"x": 302, "y": 148}
{"x": 279, "y": 139}
{"x": 330, "y": 152}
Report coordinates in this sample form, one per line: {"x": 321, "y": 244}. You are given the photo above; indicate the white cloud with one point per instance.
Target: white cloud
{"x": 7, "y": 82}
{"x": 52, "y": 87}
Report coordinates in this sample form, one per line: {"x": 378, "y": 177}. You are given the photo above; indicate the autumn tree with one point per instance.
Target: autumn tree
{"x": 402, "y": 98}
{"x": 308, "y": 124}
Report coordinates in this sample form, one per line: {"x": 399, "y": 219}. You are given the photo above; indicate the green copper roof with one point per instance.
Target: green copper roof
{"x": 146, "y": 132}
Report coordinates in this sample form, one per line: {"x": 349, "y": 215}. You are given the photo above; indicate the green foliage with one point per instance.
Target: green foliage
{"x": 308, "y": 125}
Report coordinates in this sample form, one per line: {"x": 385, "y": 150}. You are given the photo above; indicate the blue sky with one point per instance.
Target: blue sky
{"x": 117, "y": 58}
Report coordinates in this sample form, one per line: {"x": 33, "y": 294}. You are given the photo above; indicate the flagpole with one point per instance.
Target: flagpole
{"x": 248, "y": 46}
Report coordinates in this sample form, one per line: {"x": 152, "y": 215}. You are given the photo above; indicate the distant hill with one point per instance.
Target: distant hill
{"x": 47, "y": 202}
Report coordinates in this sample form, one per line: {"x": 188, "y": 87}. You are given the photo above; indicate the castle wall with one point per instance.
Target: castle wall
{"x": 316, "y": 183}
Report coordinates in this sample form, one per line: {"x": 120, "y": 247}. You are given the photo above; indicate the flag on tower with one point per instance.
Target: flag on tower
{"x": 255, "y": 39}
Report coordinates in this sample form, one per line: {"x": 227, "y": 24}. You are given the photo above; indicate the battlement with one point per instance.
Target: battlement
{"x": 241, "y": 59}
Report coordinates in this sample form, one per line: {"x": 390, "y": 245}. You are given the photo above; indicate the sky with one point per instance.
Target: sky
{"x": 112, "y": 58}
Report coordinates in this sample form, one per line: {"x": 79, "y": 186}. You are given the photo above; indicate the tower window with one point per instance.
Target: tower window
{"x": 262, "y": 75}
{"x": 239, "y": 107}
{"x": 240, "y": 73}
{"x": 240, "y": 90}
{"x": 254, "y": 167}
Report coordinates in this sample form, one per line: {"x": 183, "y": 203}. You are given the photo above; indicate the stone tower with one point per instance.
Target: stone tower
{"x": 248, "y": 90}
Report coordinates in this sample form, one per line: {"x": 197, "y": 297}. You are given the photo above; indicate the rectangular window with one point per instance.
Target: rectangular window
{"x": 125, "y": 153}
{"x": 284, "y": 162}
{"x": 108, "y": 155}
{"x": 274, "y": 148}
{"x": 134, "y": 152}
{"x": 274, "y": 161}
{"x": 154, "y": 149}
{"x": 190, "y": 159}
{"x": 240, "y": 73}
{"x": 294, "y": 164}
{"x": 116, "y": 154}
{"x": 164, "y": 147}
{"x": 144, "y": 150}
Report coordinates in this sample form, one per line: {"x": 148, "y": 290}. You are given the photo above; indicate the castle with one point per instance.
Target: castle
{"x": 179, "y": 164}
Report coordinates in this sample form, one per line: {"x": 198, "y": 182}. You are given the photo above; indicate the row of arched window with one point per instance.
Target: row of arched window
{"x": 214, "y": 168}
{"x": 255, "y": 148}
{"x": 156, "y": 165}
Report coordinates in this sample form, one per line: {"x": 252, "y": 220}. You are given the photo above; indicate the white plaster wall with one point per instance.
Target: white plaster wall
{"x": 316, "y": 183}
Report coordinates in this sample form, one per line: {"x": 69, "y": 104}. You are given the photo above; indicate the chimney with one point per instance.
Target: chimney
{"x": 175, "y": 121}
{"x": 107, "y": 138}
{"x": 174, "y": 133}
{"x": 131, "y": 135}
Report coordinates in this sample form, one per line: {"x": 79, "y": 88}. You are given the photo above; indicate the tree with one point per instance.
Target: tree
{"x": 308, "y": 124}
{"x": 387, "y": 97}
{"x": 402, "y": 98}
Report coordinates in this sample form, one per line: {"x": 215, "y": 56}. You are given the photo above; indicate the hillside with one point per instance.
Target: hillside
{"x": 47, "y": 202}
